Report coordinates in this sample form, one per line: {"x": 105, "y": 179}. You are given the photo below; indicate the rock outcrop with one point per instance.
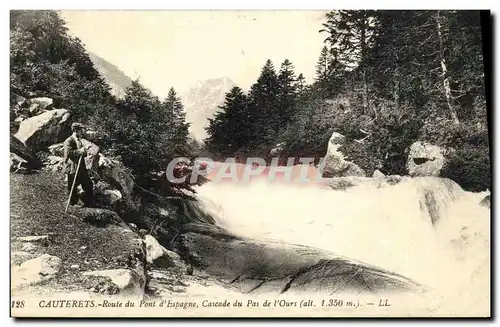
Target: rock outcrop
{"x": 119, "y": 178}
{"x": 93, "y": 154}
{"x": 335, "y": 164}
{"x": 425, "y": 159}
{"x": 34, "y": 271}
{"x": 21, "y": 155}
{"x": 486, "y": 202}
{"x": 54, "y": 163}
{"x": 271, "y": 267}
{"x": 40, "y": 131}
{"x": 17, "y": 164}
{"x": 105, "y": 195}
{"x": 154, "y": 250}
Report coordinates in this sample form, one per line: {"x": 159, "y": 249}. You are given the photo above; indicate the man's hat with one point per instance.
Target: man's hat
{"x": 76, "y": 126}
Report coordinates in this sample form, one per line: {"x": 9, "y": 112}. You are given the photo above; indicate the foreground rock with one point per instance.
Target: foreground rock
{"x": 105, "y": 195}
{"x": 117, "y": 176}
{"x": 36, "y": 270}
{"x": 123, "y": 281}
{"x": 18, "y": 257}
{"x": 23, "y": 154}
{"x": 336, "y": 164}
{"x": 486, "y": 201}
{"x": 54, "y": 163}
{"x": 40, "y": 131}
{"x": 158, "y": 256}
{"x": 425, "y": 159}
{"x": 154, "y": 250}
{"x": 17, "y": 164}
{"x": 38, "y": 105}
{"x": 271, "y": 267}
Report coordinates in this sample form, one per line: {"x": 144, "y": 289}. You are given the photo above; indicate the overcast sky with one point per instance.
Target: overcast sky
{"x": 179, "y": 48}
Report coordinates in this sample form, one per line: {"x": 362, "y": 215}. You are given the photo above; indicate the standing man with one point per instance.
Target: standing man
{"x": 73, "y": 151}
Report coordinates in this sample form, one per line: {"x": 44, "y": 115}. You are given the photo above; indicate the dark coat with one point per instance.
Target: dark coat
{"x": 71, "y": 156}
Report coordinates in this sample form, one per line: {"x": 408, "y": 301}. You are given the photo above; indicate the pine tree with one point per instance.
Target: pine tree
{"x": 301, "y": 83}
{"x": 351, "y": 35}
{"x": 140, "y": 130}
{"x": 322, "y": 65}
{"x": 329, "y": 74}
{"x": 264, "y": 103}
{"x": 229, "y": 131}
{"x": 175, "y": 110}
{"x": 287, "y": 96}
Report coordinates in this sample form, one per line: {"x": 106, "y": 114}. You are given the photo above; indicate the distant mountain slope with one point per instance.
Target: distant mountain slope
{"x": 201, "y": 102}
{"x": 115, "y": 78}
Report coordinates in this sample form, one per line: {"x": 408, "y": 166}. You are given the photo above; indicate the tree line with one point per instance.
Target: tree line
{"x": 384, "y": 79}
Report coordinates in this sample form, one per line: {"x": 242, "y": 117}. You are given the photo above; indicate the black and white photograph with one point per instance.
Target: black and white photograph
{"x": 250, "y": 163}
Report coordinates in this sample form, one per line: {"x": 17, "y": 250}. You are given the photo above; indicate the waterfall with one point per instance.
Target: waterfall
{"x": 427, "y": 229}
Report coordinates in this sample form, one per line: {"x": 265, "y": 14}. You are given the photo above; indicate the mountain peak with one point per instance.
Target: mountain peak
{"x": 201, "y": 102}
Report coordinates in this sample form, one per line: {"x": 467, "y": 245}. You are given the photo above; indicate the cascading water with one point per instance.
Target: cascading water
{"x": 427, "y": 229}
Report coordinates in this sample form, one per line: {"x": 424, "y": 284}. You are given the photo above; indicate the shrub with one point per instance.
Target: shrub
{"x": 469, "y": 166}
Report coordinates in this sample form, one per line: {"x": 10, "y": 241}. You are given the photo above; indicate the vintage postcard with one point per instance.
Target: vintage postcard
{"x": 277, "y": 163}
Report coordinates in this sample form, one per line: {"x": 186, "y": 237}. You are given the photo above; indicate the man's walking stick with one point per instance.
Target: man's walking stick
{"x": 74, "y": 181}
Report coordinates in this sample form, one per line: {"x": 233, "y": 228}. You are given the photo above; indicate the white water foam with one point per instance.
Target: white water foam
{"x": 390, "y": 227}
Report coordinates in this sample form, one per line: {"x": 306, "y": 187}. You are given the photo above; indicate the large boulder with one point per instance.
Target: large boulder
{"x": 119, "y": 178}
{"x": 158, "y": 256}
{"x": 38, "y": 105}
{"x": 36, "y": 270}
{"x": 154, "y": 250}
{"x": 425, "y": 159}
{"x": 335, "y": 164}
{"x": 278, "y": 149}
{"x": 40, "y": 131}
{"x": 92, "y": 157}
{"x": 115, "y": 173}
